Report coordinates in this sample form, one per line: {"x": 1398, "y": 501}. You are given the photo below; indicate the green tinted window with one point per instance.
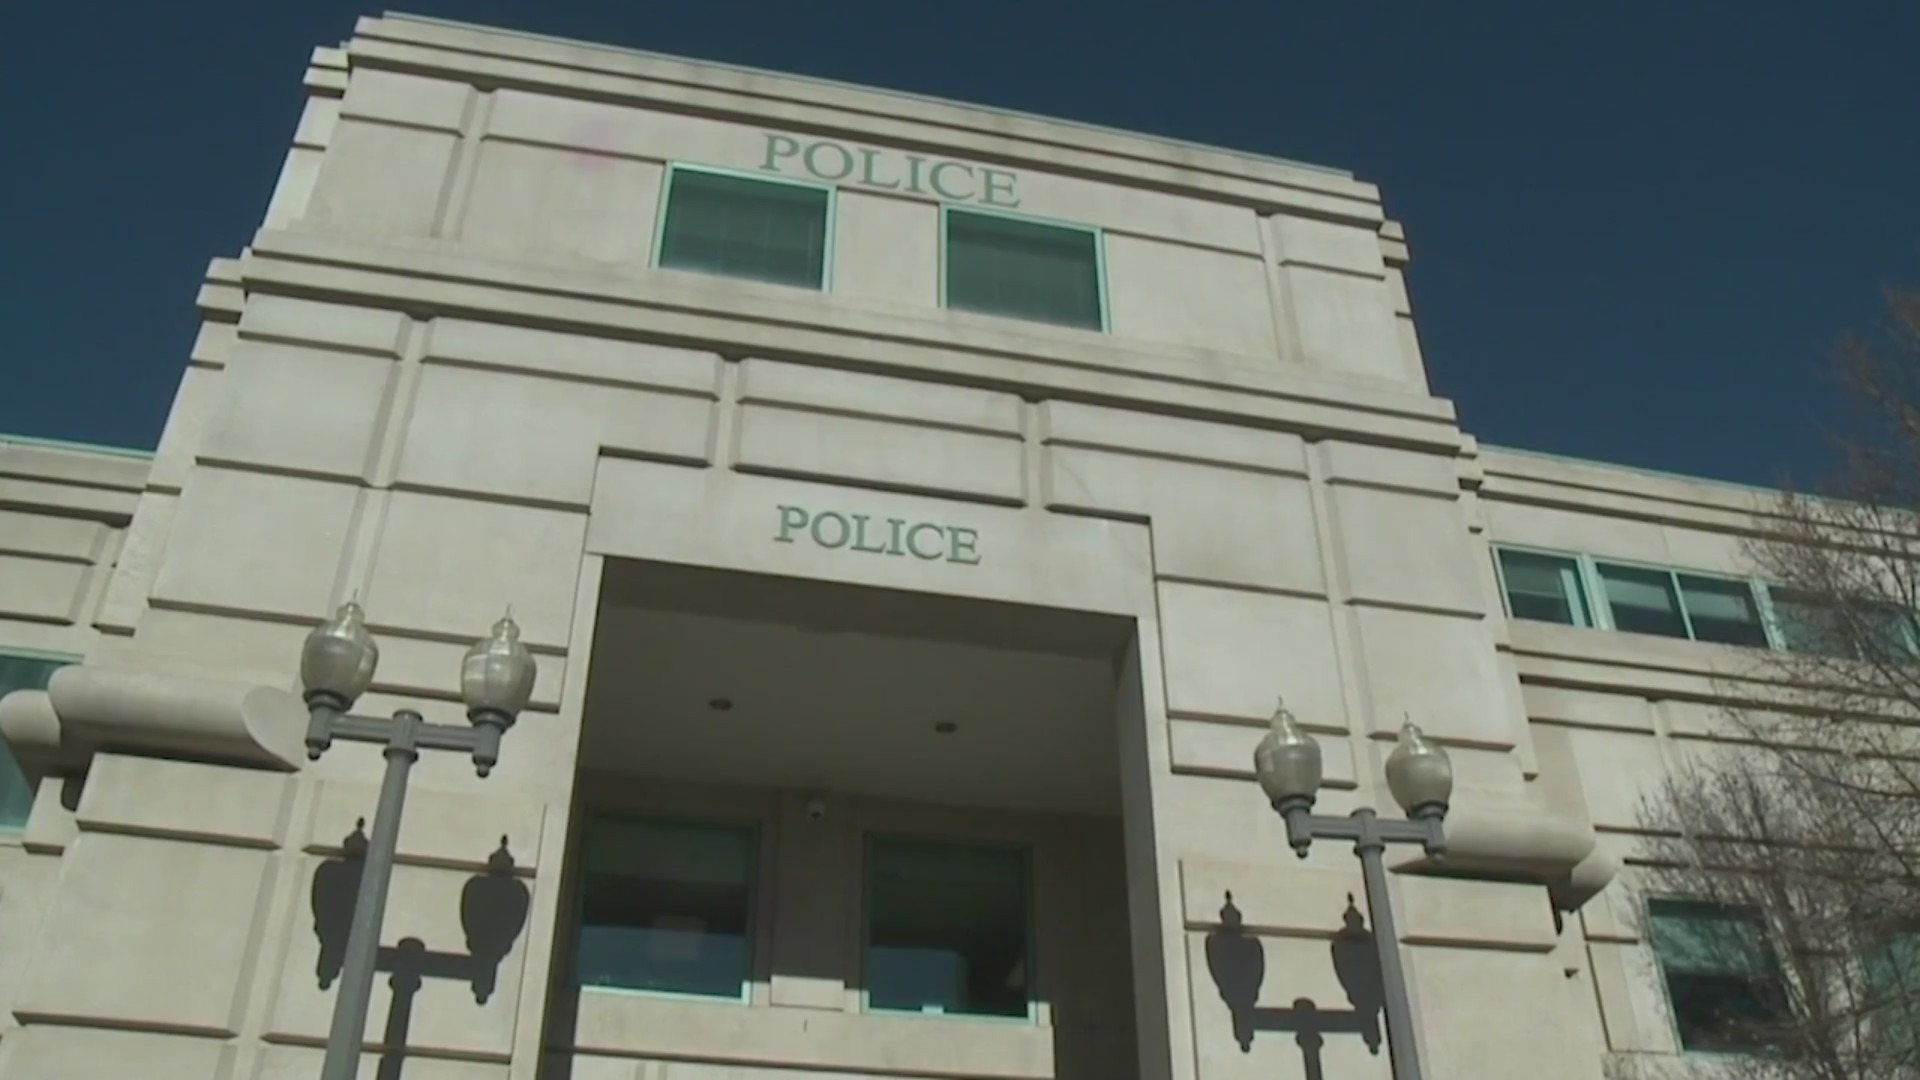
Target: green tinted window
{"x": 1809, "y": 624}
{"x": 1545, "y": 588}
{"x": 1642, "y": 601}
{"x": 947, "y": 929}
{"x": 1862, "y": 629}
{"x": 1022, "y": 269}
{"x": 16, "y": 794}
{"x": 739, "y": 227}
{"x": 666, "y": 907}
{"x": 1721, "y": 977}
{"x": 1722, "y": 610}
{"x": 1893, "y": 989}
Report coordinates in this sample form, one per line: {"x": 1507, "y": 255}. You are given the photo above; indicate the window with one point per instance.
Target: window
{"x": 1643, "y": 600}
{"x": 16, "y": 793}
{"x": 1893, "y": 994}
{"x": 766, "y": 230}
{"x": 1815, "y": 624}
{"x": 1722, "y": 610}
{"x": 1726, "y": 990}
{"x": 1023, "y": 269}
{"x": 947, "y": 929}
{"x": 1545, "y": 588}
{"x": 666, "y": 907}
{"x": 1808, "y": 624}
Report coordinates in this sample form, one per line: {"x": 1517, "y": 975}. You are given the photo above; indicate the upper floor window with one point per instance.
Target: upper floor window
{"x": 1545, "y": 588}
{"x": 666, "y": 907}
{"x": 16, "y": 793}
{"x": 1023, "y": 269}
{"x": 1645, "y": 600}
{"x": 1892, "y": 992}
{"x": 1579, "y": 590}
{"x": 736, "y": 226}
{"x": 1863, "y": 629}
{"x": 948, "y": 929}
{"x": 1722, "y": 978}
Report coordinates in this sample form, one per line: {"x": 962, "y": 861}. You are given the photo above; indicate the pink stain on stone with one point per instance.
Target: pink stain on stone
{"x": 595, "y": 141}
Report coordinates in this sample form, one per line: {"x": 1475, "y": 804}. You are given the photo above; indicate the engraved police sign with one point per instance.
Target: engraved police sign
{"x": 889, "y": 170}
{"x": 924, "y": 540}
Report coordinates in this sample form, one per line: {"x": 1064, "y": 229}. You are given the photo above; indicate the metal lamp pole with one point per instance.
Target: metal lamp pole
{"x": 336, "y": 667}
{"x": 1287, "y": 762}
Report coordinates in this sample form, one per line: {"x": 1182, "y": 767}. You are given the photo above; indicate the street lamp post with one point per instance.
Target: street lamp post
{"x": 336, "y": 667}
{"x": 1287, "y": 761}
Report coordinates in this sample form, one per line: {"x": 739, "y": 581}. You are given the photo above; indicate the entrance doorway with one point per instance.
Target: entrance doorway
{"x": 891, "y": 821}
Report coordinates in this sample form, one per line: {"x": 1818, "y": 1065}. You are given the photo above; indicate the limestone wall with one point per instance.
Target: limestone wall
{"x": 445, "y": 378}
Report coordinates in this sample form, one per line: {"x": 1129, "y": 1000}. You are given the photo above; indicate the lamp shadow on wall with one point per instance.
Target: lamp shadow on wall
{"x": 493, "y": 912}
{"x": 1237, "y": 962}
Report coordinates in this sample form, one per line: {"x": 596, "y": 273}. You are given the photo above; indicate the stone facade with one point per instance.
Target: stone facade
{"x": 445, "y": 377}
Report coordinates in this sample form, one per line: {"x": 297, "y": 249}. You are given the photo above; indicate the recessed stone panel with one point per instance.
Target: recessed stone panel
{"x": 424, "y": 907}
{"x": 708, "y": 517}
{"x": 1440, "y": 671}
{"x": 1346, "y": 323}
{"x": 48, "y": 1052}
{"x": 303, "y": 1063}
{"x": 499, "y": 556}
{"x": 881, "y": 453}
{"x": 585, "y": 357}
{"x": 1233, "y": 653}
{"x": 39, "y": 589}
{"x": 536, "y": 439}
{"x": 1407, "y": 550}
{"x": 1254, "y": 996}
{"x": 180, "y": 957}
{"x": 304, "y": 410}
{"x": 1456, "y": 990}
{"x": 379, "y": 180}
{"x": 886, "y": 251}
{"x": 542, "y": 204}
{"x": 256, "y": 542}
{"x": 1215, "y": 749}
{"x": 1069, "y": 423}
{"x": 347, "y": 327}
{"x": 1191, "y": 296}
{"x": 1266, "y": 540}
{"x": 406, "y": 99}
{"x": 771, "y": 382}
{"x": 440, "y": 828}
{"x": 184, "y": 800}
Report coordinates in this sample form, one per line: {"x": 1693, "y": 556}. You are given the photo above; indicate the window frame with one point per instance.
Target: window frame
{"x": 1666, "y": 990}
{"x": 757, "y": 866}
{"x": 11, "y": 833}
{"x": 830, "y": 225}
{"x": 1673, "y": 574}
{"x": 1600, "y": 607}
{"x": 1582, "y": 577}
{"x": 1099, "y": 234}
{"x": 1776, "y": 632}
{"x": 868, "y": 842}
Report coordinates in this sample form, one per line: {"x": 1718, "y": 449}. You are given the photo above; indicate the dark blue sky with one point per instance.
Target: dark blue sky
{"x": 1636, "y": 227}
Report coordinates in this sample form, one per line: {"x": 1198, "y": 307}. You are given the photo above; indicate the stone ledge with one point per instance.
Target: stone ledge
{"x": 460, "y": 49}
{"x": 86, "y": 708}
{"x": 1040, "y": 362}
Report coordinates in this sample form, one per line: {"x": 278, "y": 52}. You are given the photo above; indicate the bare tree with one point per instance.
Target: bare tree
{"x": 1787, "y": 861}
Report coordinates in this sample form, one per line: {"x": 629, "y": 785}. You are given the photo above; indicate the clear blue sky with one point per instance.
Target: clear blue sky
{"x": 1636, "y": 227}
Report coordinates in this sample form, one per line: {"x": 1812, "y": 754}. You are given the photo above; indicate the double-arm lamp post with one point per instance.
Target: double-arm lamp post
{"x": 1287, "y": 762}
{"x": 336, "y": 667}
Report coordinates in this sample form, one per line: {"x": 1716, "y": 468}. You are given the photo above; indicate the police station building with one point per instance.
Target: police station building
{"x": 914, "y": 512}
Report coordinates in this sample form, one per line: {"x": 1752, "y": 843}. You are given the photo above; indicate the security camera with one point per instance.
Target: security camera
{"x": 816, "y": 808}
